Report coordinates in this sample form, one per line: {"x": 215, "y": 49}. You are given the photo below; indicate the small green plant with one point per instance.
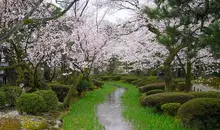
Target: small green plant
{"x": 31, "y": 103}
{"x": 170, "y": 108}
{"x": 11, "y": 94}
{"x": 201, "y": 113}
{"x": 50, "y": 99}
{"x": 2, "y": 99}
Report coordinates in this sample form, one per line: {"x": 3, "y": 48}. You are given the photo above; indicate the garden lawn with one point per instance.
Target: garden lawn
{"x": 143, "y": 118}
{"x": 83, "y": 113}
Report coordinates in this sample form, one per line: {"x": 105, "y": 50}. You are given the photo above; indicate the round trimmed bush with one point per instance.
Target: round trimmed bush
{"x": 210, "y": 94}
{"x": 2, "y": 99}
{"x": 154, "y": 91}
{"x": 152, "y": 86}
{"x": 157, "y": 100}
{"x": 201, "y": 113}
{"x": 11, "y": 94}
{"x": 170, "y": 108}
{"x": 97, "y": 83}
{"x": 31, "y": 103}
{"x": 50, "y": 99}
{"x": 60, "y": 90}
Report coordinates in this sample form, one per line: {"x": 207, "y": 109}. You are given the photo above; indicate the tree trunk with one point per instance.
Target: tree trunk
{"x": 71, "y": 91}
{"x": 188, "y": 77}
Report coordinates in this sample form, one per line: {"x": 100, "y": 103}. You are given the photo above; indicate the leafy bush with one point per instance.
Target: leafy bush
{"x": 50, "y": 99}
{"x": 105, "y": 78}
{"x": 201, "y": 113}
{"x": 116, "y": 78}
{"x": 170, "y": 108}
{"x": 11, "y": 94}
{"x": 83, "y": 86}
{"x": 147, "y": 80}
{"x": 180, "y": 86}
{"x": 60, "y": 90}
{"x": 210, "y": 94}
{"x": 154, "y": 91}
{"x": 152, "y": 86}
{"x": 31, "y": 103}
{"x": 157, "y": 100}
{"x": 97, "y": 82}
{"x": 2, "y": 99}
{"x": 129, "y": 79}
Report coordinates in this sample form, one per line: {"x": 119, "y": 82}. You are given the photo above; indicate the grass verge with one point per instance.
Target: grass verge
{"x": 143, "y": 118}
{"x": 82, "y": 114}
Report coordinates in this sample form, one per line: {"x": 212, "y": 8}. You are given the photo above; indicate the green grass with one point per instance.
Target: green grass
{"x": 82, "y": 114}
{"x": 144, "y": 118}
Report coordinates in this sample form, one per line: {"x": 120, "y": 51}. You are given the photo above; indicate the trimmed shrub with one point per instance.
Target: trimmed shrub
{"x": 129, "y": 79}
{"x": 11, "y": 94}
{"x": 171, "y": 108}
{"x": 147, "y": 80}
{"x": 83, "y": 86}
{"x": 60, "y": 90}
{"x": 157, "y": 100}
{"x": 116, "y": 78}
{"x": 31, "y": 103}
{"x": 152, "y": 86}
{"x": 2, "y": 99}
{"x": 105, "y": 78}
{"x": 97, "y": 83}
{"x": 50, "y": 99}
{"x": 201, "y": 113}
{"x": 180, "y": 86}
{"x": 210, "y": 94}
{"x": 154, "y": 91}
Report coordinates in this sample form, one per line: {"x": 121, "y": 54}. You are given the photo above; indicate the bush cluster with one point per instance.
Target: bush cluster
{"x": 129, "y": 79}
{"x": 50, "y": 99}
{"x": 152, "y": 86}
{"x": 31, "y": 103}
{"x": 201, "y": 114}
{"x": 157, "y": 100}
{"x": 210, "y": 94}
{"x": 60, "y": 90}
{"x": 154, "y": 91}
{"x": 147, "y": 80}
{"x": 170, "y": 108}
{"x": 97, "y": 83}
{"x": 11, "y": 94}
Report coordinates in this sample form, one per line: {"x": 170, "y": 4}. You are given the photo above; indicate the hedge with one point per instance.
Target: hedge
{"x": 171, "y": 108}
{"x": 11, "y": 94}
{"x": 152, "y": 86}
{"x": 200, "y": 114}
{"x": 97, "y": 83}
{"x": 50, "y": 99}
{"x": 157, "y": 100}
{"x": 31, "y": 103}
{"x": 210, "y": 94}
{"x": 60, "y": 90}
{"x": 147, "y": 80}
{"x": 154, "y": 91}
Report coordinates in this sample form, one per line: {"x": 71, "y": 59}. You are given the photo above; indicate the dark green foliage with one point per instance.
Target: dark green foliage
{"x": 97, "y": 83}
{"x": 180, "y": 86}
{"x": 157, "y": 100}
{"x": 116, "y": 78}
{"x": 30, "y": 103}
{"x": 154, "y": 91}
{"x": 210, "y": 94}
{"x": 152, "y": 86}
{"x": 2, "y": 99}
{"x": 147, "y": 80}
{"x": 170, "y": 108}
{"x": 60, "y": 90}
{"x": 50, "y": 99}
{"x": 11, "y": 94}
{"x": 83, "y": 86}
{"x": 201, "y": 113}
{"x": 129, "y": 79}
{"x": 105, "y": 78}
